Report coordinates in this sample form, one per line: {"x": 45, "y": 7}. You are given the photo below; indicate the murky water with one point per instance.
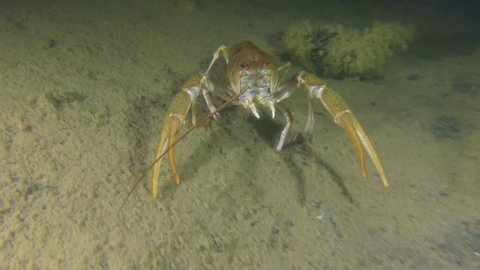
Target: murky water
{"x": 84, "y": 89}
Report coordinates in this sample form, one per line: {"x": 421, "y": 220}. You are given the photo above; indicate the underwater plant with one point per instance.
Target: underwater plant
{"x": 335, "y": 50}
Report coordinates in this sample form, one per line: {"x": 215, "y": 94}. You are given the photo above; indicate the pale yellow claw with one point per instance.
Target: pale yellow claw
{"x": 175, "y": 119}
{"x": 343, "y": 116}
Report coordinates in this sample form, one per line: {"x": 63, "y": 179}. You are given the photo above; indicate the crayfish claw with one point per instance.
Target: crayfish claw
{"x": 343, "y": 116}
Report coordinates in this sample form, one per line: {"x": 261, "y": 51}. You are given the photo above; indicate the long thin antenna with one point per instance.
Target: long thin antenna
{"x": 192, "y": 128}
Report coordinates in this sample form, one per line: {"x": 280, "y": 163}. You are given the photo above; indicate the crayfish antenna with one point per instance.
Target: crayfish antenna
{"x": 174, "y": 142}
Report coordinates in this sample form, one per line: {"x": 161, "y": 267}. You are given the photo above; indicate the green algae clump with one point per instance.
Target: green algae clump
{"x": 334, "y": 50}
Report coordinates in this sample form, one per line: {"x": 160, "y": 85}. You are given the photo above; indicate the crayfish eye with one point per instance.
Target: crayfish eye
{"x": 244, "y": 66}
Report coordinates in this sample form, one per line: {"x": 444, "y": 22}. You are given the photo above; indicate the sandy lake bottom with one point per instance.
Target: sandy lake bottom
{"x": 84, "y": 89}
